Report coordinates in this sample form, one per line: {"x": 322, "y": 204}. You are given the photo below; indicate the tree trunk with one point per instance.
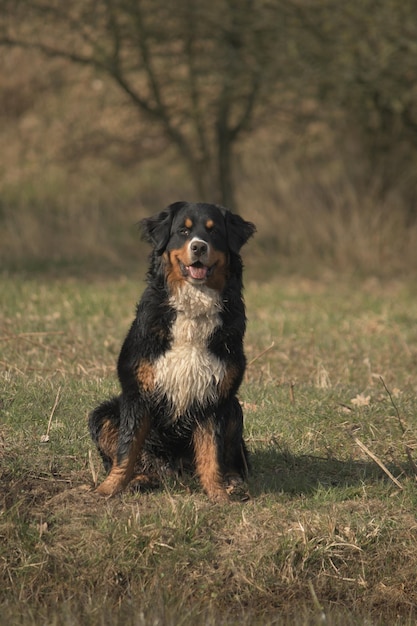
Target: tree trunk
{"x": 224, "y": 138}
{"x": 225, "y": 183}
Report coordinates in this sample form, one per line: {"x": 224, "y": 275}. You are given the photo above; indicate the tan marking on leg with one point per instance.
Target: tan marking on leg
{"x": 144, "y": 482}
{"x": 207, "y": 464}
{"x": 145, "y": 375}
{"x": 107, "y": 439}
{"x": 121, "y": 473}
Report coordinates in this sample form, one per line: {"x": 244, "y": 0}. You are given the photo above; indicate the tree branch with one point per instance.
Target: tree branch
{"x": 197, "y": 115}
{"x": 160, "y": 111}
{"x": 246, "y": 116}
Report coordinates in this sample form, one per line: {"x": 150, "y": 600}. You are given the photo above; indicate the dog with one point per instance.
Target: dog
{"x": 182, "y": 362}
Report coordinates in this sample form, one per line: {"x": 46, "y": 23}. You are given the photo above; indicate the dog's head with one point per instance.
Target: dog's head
{"x": 196, "y": 242}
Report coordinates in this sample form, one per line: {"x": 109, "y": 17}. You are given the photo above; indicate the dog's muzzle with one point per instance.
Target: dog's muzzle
{"x": 198, "y": 268}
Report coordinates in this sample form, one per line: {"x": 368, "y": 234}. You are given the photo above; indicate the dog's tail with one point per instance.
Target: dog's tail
{"x": 103, "y": 424}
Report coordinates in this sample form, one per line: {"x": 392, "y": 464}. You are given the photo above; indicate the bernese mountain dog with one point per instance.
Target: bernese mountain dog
{"x": 182, "y": 361}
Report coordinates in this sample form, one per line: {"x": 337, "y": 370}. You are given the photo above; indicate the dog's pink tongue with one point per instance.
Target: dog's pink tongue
{"x": 197, "y": 272}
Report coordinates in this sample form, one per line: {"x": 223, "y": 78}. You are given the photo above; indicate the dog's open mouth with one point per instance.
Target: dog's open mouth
{"x": 196, "y": 271}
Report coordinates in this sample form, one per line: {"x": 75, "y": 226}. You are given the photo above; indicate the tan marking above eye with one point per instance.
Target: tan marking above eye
{"x": 188, "y": 223}
{"x": 209, "y": 224}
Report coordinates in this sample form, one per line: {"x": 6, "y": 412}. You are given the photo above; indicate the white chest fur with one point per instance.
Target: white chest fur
{"x": 188, "y": 372}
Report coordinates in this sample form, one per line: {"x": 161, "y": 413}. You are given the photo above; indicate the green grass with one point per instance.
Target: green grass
{"x": 325, "y": 532}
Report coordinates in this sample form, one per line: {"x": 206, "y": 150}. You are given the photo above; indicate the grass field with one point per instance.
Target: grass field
{"x": 329, "y": 531}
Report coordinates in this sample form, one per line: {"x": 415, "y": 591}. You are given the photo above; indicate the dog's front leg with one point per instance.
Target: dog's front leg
{"x": 131, "y": 439}
{"x": 207, "y": 461}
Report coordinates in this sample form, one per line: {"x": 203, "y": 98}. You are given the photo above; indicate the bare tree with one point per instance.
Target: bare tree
{"x": 198, "y": 70}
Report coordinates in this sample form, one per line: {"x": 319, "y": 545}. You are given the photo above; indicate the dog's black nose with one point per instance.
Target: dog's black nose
{"x": 198, "y": 248}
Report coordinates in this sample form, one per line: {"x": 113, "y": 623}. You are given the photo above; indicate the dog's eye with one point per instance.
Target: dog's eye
{"x": 184, "y": 231}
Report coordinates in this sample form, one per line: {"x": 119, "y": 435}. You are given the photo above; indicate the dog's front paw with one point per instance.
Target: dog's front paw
{"x": 219, "y": 495}
{"x": 109, "y": 487}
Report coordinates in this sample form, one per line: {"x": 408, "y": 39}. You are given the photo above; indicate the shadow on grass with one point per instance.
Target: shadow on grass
{"x": 279, "y": 471}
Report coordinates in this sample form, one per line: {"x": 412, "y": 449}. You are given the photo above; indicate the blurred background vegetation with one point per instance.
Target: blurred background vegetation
{"x": 300, "y": 114}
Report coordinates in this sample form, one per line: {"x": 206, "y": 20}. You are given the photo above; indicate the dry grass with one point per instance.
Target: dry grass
{"x": 325, "y": 532}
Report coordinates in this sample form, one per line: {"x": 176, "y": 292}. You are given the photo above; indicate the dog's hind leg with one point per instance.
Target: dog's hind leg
{"x": 104, "y": 424}
{"x": 132, "y": 430}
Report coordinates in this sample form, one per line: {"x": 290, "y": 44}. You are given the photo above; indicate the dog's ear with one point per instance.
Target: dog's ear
{"x": 157, "y": 229}
{"x": 238, "y": 230}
